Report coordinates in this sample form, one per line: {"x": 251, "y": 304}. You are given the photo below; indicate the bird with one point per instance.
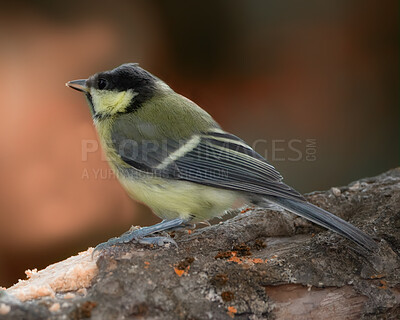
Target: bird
{"x": 170, "y": 154}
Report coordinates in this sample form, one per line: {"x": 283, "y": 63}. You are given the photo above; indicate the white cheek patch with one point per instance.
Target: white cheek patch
{"x": 111, "y": 102}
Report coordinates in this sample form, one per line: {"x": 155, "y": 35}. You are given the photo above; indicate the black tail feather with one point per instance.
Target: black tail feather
{"x": 327, "y": 220}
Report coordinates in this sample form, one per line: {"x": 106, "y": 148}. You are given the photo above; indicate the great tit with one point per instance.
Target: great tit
{"x": 171, "y": 155}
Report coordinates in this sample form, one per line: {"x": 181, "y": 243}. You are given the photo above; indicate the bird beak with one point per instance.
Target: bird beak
{"x": 79, "y": 85}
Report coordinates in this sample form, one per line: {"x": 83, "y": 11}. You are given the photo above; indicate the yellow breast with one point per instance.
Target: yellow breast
{"x": 171, "y": 199}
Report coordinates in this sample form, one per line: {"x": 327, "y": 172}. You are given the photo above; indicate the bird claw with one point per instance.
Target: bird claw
{"x": 158, "y": 240}
{"x": 143, "y": 235}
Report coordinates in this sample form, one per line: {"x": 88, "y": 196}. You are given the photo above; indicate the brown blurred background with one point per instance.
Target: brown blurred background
{"x": 276, "y": 73}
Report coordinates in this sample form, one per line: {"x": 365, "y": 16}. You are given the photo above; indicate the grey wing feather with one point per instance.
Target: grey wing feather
{"x": 222, "y": 168}
{"x": 217, "y": 159}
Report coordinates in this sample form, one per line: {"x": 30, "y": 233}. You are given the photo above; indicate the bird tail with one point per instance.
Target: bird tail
{"x": 327, "y": 220}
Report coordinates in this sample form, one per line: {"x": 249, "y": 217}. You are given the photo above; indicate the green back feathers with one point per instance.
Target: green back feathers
{"x": 164, "y": 116}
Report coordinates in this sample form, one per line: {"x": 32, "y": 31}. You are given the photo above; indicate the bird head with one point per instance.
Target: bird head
{"x": 118, "y": 91}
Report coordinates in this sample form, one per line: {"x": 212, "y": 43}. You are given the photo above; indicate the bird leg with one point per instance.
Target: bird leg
{"x": 140, "y": 235}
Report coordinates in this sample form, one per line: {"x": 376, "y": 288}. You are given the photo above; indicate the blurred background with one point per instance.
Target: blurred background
{"x": 311, "y": 85}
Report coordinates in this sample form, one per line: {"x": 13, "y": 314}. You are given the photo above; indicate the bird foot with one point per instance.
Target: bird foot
{"x": 142, "y": 235}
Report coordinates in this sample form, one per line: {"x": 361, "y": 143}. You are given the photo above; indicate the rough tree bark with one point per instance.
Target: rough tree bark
{"x": 261, "y": 264}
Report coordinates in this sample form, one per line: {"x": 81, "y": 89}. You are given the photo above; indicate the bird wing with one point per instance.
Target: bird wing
{"x": 214, "y": 158}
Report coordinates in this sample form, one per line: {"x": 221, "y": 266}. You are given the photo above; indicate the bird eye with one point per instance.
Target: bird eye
{"x": 101, "y": 83}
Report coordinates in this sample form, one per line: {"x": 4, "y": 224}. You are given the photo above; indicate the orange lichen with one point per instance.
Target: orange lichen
{"x": 240, "y": 254}
{"x": 257, "y": 260}
{"x": 179, "y": 272}
{"x": 383, "y": 284}
{"x": 183, "y": 266}
{"x": 146, "y": 264}
{"x": 245, "y": 210}
{"x": 236, "y": 259}
{"x": 232, "y": 311}
{"x": 246, "y": 260}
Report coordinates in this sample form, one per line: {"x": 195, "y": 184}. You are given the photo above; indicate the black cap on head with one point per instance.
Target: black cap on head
{"x": 128, "y": 76}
